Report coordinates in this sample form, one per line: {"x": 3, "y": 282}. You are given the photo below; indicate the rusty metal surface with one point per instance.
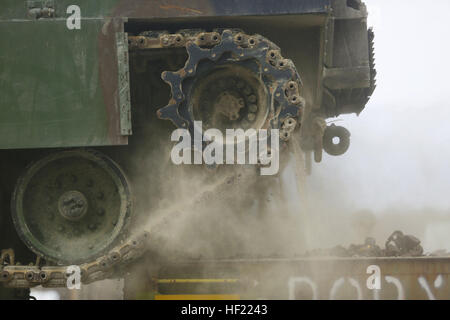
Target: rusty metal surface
{"x": 109, "y": 77}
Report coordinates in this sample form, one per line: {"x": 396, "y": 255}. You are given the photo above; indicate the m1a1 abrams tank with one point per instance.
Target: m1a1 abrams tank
{"x": 87, "y": 89}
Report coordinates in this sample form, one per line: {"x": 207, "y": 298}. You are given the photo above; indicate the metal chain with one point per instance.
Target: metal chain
{"x": 21, "y": 276}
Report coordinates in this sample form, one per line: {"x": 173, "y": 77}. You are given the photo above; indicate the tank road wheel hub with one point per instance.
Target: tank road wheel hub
{"x": 233, "y": 81}
{"x": 72, "y": 207}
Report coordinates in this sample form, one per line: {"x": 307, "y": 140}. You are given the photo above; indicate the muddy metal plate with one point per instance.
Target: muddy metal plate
{"x": 316, "y": 278}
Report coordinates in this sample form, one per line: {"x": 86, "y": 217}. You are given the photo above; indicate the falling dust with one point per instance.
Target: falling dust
{"x": 231, "y": 211}
{"x": 219, "y": 213}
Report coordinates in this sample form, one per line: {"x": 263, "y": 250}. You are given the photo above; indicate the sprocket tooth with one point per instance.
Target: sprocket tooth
{"x": 195, "y": 54}
{"x": 192, "y": 49}
{"x": 173, "y": 79}
{"x": 167, "y": 111}
{"x": 170, "y": 112}
{"x": 170, "y": 76}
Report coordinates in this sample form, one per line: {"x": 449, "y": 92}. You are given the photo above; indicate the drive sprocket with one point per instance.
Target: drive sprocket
{"x": 232, "y": 80}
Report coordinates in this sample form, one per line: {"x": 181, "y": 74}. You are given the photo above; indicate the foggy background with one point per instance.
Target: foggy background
{"x": 398, "y": 163}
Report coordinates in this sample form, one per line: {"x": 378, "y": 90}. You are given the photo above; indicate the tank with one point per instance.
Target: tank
{"x": 92, "y": 91}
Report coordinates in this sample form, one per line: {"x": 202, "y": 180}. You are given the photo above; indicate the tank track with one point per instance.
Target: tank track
{"x": 22, "y": 276}
{"x": 280, "y": 75}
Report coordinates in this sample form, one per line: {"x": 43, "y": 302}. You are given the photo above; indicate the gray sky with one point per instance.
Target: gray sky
{"x": 400, "y": 144}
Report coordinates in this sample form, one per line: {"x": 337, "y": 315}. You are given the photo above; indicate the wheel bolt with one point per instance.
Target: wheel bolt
{"x": 252, "y": 98}
{"x": 251, "y": 116}
{"x": 253, "y": 108}
{"x": 291, "y": 85}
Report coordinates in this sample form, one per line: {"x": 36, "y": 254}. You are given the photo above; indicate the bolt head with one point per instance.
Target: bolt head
{"x": 253, "y": 108}
{"x": 252, "y": 98}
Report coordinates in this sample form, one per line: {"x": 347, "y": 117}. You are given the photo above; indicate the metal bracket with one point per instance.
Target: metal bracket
{"x": 346, "y": 78}
{"x": 124, "y": 83}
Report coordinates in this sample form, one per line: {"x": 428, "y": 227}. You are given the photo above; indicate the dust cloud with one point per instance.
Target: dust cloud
{"x": 233, "y": 212}
{"x": 217, "y": 213}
